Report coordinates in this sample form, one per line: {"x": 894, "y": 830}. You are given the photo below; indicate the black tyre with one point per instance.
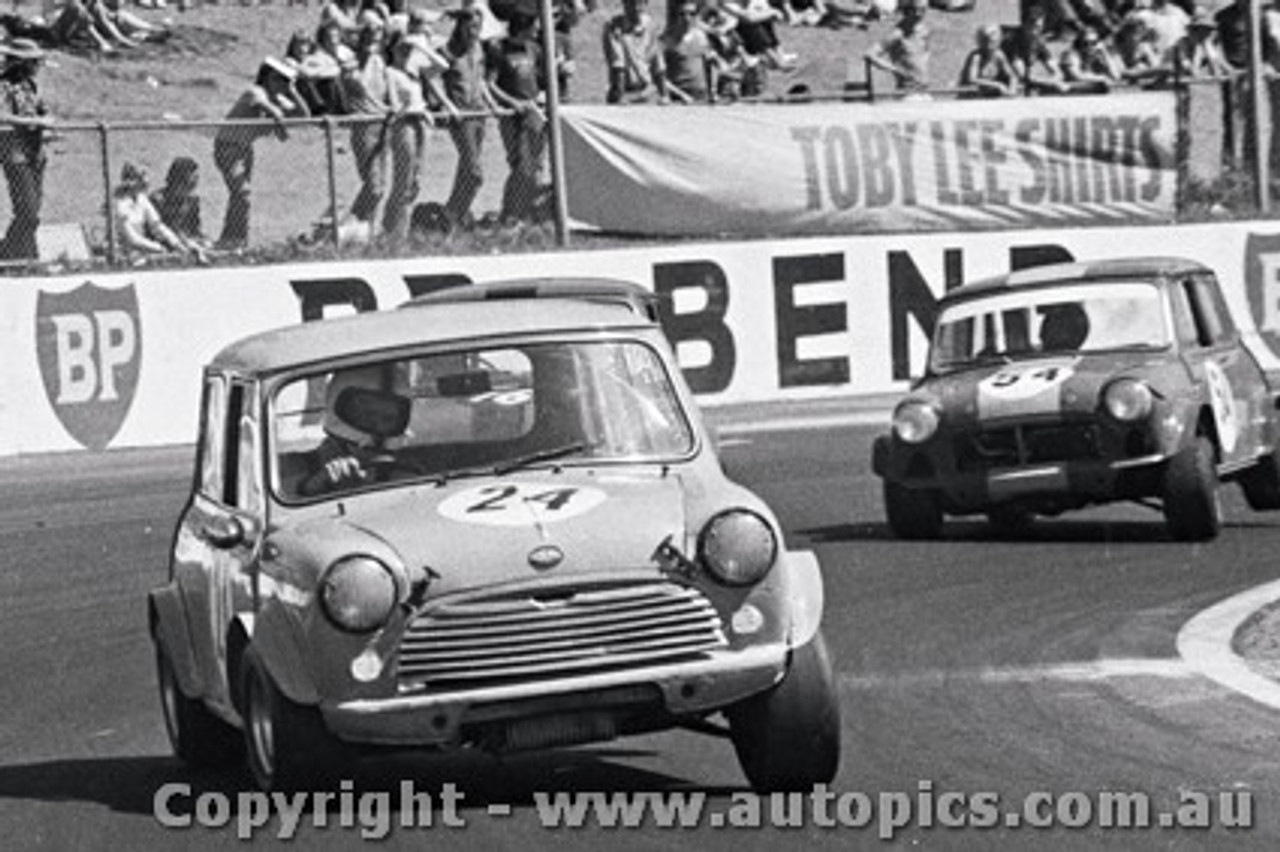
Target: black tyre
{"x": 1261, "y": 484}
{"x": 287, "y": 744}
{"x": 199, "y": 738}
{"x": 1010, "y": 520}
{"x": 1192, "y": 509}
{"x": 913, "y": 513}
{"x": 788, "y": 738}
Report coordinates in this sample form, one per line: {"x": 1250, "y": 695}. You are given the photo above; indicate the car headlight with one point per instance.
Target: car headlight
{"x": 915, "y": 421}
{"x": 358, "y": 594}
{"x": 1127, "y": 400}
{"x": 738, "y": 547}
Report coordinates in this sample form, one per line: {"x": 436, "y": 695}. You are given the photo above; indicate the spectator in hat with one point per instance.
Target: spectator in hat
{"x": 139, "y": 227}
{"x": 516, "y": 81}
{"x": 904, "y": 53}
{"x": 1199, "y": 53}
{"x": 466, "y": 86}
{"x": 272, "y": 96}
{"x": 631, "y": 54}
{"x": 26, "y": 118}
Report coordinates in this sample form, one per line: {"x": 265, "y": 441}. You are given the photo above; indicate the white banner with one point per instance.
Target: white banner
{"x": 114, "y": 360}
{"x": 872, "y": 167}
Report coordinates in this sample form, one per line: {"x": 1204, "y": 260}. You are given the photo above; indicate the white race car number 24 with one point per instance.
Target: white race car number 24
{"x": 515, "y": 504}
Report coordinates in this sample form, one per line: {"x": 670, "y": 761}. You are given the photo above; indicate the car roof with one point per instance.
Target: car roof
{"x": 589, "y": 288}
{"x": 1062, "y": 273}
{"x": 334, "y": 339}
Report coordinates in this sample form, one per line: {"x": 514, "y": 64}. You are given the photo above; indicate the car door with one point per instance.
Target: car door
{"x": 1231, "y": 378}
{"x": 219, "y": 532}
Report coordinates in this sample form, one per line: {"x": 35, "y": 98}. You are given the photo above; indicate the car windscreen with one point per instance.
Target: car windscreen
{"x": 1044, "y": 320}
{"x": 477, "y": 410}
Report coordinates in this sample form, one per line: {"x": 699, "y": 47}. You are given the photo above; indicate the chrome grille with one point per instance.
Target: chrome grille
{"x": 1026, "y": 444}
{"x": 504, "y": 637}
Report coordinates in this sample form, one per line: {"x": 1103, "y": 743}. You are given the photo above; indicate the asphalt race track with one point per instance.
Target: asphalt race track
{"x": 977, "y": 666}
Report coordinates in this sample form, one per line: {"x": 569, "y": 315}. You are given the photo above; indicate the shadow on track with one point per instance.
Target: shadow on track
{"x": 1042, "y": 530}
{"x": 130, "y": 784}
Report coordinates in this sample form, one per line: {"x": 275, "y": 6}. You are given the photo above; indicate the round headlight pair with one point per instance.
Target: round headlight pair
{"x": 358, "y": 594}
{"x": 738, "y": 547}
{"x": 916, "y": 421}
{"x": 1128, "y": 400}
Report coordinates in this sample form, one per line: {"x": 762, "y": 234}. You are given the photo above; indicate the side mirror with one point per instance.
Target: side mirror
{"x": 224, "y": 531}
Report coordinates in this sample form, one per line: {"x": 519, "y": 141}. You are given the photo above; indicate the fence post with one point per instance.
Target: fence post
{"x": 554, "y": 140}
{"x": 109, "y": 209}
{"x": 332, "y": 169}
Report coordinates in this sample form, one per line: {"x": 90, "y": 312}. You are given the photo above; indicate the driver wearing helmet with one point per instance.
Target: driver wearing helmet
{"x": 360, "y": 415}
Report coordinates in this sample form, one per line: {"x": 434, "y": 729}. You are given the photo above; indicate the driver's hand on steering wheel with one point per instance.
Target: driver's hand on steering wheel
{"x": 345, "y": 470}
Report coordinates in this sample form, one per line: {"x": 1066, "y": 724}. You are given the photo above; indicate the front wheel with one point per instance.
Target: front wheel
{"x": 1261, "y": 484}
{"x": 788, "y": 738}
{"x": 288, "y": 745}
{"x": 198, "y": 737}
{"x": 1192, "y": 507}
{"x": 913, "y": 513}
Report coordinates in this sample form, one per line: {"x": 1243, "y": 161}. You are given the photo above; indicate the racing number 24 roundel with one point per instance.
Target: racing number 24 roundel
{"x": 512, "y": 504}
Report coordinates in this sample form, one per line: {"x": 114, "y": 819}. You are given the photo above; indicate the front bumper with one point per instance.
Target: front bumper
{"x": 968, "y": 486}
{"x": 715, "y": 680}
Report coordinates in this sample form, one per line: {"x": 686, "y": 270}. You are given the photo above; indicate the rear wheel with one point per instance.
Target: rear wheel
{"x": 1192, "y": 507}
{"x": 912, "y": 512}
{"x": 198, "y": 737}
{"x": 788, "y": 738}
{"x": 288, "y": 745}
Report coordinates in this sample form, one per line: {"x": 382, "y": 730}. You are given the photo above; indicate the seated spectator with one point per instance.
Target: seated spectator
{"x": 631, "y": 54}
{"x": 987, "y": 72}
{"x": 756, "y": 29}
{"x": 905, "y": 52}
{"x": 178, "y": 205}
{"x": 686, "y": 60}
{"x": 738, "y": 74}
{"x": 110, "y": 14}
{"x": 75, "y": 28}
{"x": 1089, "y": 64}
{"x": 139, "y": 227}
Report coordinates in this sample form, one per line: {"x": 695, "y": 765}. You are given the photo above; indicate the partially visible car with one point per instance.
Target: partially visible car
{"x": 1063, "y": 386}
{"x": 495, "y": 526}
{"x": 603, "y": 290}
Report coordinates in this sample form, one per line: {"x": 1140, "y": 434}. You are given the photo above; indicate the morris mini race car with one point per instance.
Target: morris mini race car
{"x": 1057, "y": 387}
{"x": 495, "y": 525}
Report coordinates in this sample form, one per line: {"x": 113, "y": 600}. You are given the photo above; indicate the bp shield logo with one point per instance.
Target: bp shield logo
{"x": 89, "y": 343}
{"x": 1262, "y": 283}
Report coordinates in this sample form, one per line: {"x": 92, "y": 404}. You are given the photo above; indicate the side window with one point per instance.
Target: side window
{"x": 209, "y": 463}
{"x": 1213, "y": 322}
{"x": 1184, "y": 323}
{"x": 231, "y": 443}
{"x": 248, "y": 471}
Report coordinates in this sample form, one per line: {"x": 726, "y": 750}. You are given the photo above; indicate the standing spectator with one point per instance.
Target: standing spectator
{"x": 1165, "y": 26}
{"x": 987, "y": 72}
{"x": 344, "y": 14}
{"x": 179, "y": 205}
{"x": 272, "y": 96}
{"x": 905, "y": 52}
{"x": 687, "y": 59}
{"x": 1033, "y": 61}
{"x": 631, "y": 54}
{"x": 516, "y": 82}
{"x": 326, "y": 66}
{"x": 1199, "y": 54}
{"x": 467, "y": 89}
{"x": 408, "y": 133}
{"x": 369, "y": 99}
{"x": 22, "y": 154}
{"x": 566, "y": 14}
{"x": 141, "y": 230}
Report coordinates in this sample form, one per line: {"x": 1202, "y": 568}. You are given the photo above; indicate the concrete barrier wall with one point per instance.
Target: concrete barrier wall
{"x": 104, "y": 361}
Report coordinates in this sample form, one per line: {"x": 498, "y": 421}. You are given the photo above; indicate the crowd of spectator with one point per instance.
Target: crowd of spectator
{"x": 390, "y": 73}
